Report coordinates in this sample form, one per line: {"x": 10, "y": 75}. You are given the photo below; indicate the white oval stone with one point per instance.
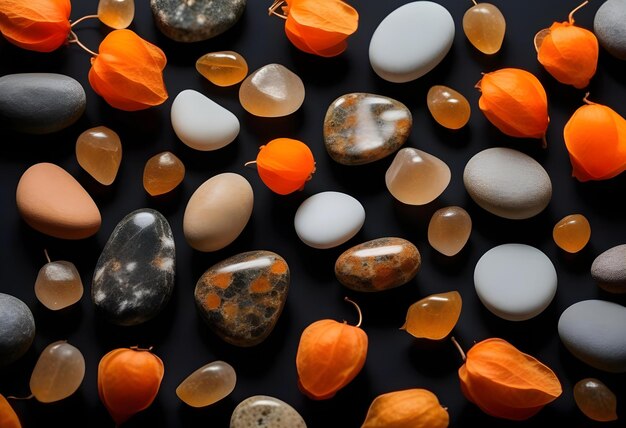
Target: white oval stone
{"x": 328, "y": 219}
{"x": 515, "y": 281}
{"x": 507, "y": 183}
{"x": 411, "y": 41}
{"x": 593, "y": 331}
{"x": 201, "y": 123}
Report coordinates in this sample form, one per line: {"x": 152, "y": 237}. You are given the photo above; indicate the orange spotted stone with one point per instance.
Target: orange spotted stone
{"x": 242, "y": 297}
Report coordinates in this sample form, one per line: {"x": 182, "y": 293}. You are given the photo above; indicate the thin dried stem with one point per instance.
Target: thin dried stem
{"x": 47, "y": 256}
{"x": 571, "y": 14}
{"x": 83, "y": 19}
{"x": 13, "y": 397}
{"x": 461, "y": 351}
{"x": 544, "y": 142}
{"x": 358, "y": 310}
{"x": 586, "y": 99}
{"x": 74, "y": 39}
{"x": 474, "y": 1}
{"x": 251, "y": 164}
{"x": 137, "y": 348}
{"x": 274, "y": 6}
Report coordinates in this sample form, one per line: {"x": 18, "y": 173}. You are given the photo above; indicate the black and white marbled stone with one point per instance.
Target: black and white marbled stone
{"x": 195, "y": 20}
{"x": 134, "y": 276}
{"x": 17, "y": 329}
{"x": 40, "y": 103}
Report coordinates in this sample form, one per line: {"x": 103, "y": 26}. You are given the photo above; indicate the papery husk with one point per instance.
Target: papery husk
{"x": 8, "y": 417}
{"x": 285, "y": 165}
{"x": 410, "y": 408}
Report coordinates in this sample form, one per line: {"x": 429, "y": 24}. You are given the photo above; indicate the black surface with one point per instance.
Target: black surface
{"x": 395, "y": 360}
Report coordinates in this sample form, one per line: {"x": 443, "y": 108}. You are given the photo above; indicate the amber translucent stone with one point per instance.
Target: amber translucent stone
{"x": 271, "y": 91}
{"x": 58, "y": 285}
{"x": 116, "y": 13}
{"x": 572, "y": 233}
{"x": 595, "y": 400}
{"x": 449, "y": 229}
{"x": 58, "y": 373}
{"x": 99, "y": 152}
{"x": 484, "y": 25}
{"x": 162, "y": 173}
{"x": 449, "y": 108}
{"x": 208, "y": 384}
{"x": 224, "y": 68}
{"x": 435, "y": 316}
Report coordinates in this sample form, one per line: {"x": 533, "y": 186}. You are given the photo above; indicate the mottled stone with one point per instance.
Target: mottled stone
{"x": 40, "y": 103}
{"x": 242, "y": 297}
{"x": 378, "y": 265}
{"x": 609, "y": 269}
{"x": 262, "y": 411}
{"x": 17, "y": 329}
{"x": 195, "y": 20}
{"x": 360, "y": 128}
{"x": 134, "y": 277}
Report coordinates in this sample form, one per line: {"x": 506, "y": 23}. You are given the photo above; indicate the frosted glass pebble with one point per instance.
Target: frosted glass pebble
{"x": 515, "y": 281}
{"x": 328, "y": 219}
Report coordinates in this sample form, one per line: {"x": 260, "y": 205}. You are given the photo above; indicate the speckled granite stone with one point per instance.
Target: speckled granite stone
{"x": 262, "y": 411}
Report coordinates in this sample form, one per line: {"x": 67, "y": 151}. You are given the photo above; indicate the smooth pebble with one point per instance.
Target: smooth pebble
{"x": 272, "y": 91}
{"x": 609, "y": 28}
{"x": 609, "y": 269}
{"x": 18, "y": 329}
{"x": 262, "y": 411}
{"x": 207, "y": 385}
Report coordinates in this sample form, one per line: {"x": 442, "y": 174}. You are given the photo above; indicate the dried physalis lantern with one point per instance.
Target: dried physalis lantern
{"x": 225, "y": 68}
{"x": 484, "y": 26}
{"x": 317, "y": 27}
{"x": 58, "y": 373}
{"x": 448, "y": 107}
{"x": 434, "y": 316}
{"x": 207, "y": 385}
{"x": 163, "y": 173}
{"x": 330, "y": 354}
{"x": 8, "y": 417}
{"x": 58, "y": 284}
{"x": 116, "y": 14}
{"x": 285, "y": 165}
{"x": 572, "y": 233}
{"x": 99, "y": 152}
{"x": 515, "y": 102}
{"x": 568, "y": 52}
{"x": 409, "y": 408}
{"x": 595, "y": 400}
{"x": 504, "y": 382}
{"x": 595, "y": 137}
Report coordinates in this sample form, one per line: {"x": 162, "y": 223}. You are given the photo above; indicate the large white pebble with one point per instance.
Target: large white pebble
{"x": 593, "y": 330}
{"x": 328, "y": 219}
{"x": 201, "y": 123}
{"x": 217, "y": 212}
{"x": 515, "y": 281}
{"x": 411, "y": 41}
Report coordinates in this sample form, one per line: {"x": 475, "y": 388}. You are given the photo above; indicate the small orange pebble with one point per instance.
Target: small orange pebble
{"x": 434, "y": 316}
{"x": 8, "y": 417}
{"x": 568, "y": 52}
{"x": 572, "y": 233}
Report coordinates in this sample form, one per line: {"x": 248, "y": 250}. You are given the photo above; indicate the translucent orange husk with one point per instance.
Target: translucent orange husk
{"x": 515, "y": 102}
{"x": 8, "y": 417}
{"x": 128, "y": 72}
{"x": 410, "y": 408}
{"x": 506, "y": 383}
{"x": 330, "y": 354}
{"x": 36, "y": 25}
{"x": 595, "y": 137}
{"x": 128, "y": 381}
{"x": 285, "y": 165}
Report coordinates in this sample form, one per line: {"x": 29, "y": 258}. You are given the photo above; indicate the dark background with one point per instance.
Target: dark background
{"x": 395, "y": 360}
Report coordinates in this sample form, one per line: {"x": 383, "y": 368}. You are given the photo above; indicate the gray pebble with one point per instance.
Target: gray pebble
{"x": 609, "y": 269}
{"x": 609, "y": 26}
{"x": 17, "y": 329}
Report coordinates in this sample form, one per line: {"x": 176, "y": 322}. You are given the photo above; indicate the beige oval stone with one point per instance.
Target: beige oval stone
{"x": 217, "y": 212}
{"x": 51, "y": 201}
{"x": 272, "y": 91}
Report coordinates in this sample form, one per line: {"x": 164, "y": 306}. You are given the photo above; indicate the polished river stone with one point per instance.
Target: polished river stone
{"x": 134, "y": 276}
{"x": 242, "y": 297}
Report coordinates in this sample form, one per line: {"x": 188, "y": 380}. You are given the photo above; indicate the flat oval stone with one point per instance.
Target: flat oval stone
{"x": 242, "y": 297}
{"x": 411, "y": 41}
{"x": 328, "y": 219}
{"x": 134, "y": 277}
{"x": 378, "y": 265}
{"x": 201, "y": 123}
{"x": 51, "y": 201}
{"x": 608, "y": 26}
{"x": 40, "y": 103}
{"x": 515, "y": 281}
{"x": 207, "y": 385}
{"x": 360, "y": 128}
{"x": 609, "y": 269}
{"x": 272, "y": 91}
{"x": 18, "y": 329}
{"x": 593, "y": 331}
{"x": 262, "y": 411}
{"x": 197, "y": 20}
{"x": 507, "y": 183}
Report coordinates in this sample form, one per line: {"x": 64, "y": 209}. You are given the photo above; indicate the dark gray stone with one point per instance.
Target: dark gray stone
{"x": 609, "y": 269}
{"x": 195, "y": 20}
{"x": 609, "y": 26}
{"x": 134, "y": 276}
{"x": 40, "y": 103}
{"x": 17, "y": 329}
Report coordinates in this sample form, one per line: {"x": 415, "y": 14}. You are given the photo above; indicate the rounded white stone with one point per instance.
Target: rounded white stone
{"x": 411, "y": 41}
{"x": 201, "y": 123}
{"x": 328, "y": 219}
{"x": 515, "y": 281}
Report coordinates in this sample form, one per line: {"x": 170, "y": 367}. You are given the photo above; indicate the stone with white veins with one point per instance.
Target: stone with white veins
{"x": 134, "y": 277}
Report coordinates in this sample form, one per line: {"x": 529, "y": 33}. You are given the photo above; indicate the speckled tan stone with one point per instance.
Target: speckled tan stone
{"x": 262, "y": 411}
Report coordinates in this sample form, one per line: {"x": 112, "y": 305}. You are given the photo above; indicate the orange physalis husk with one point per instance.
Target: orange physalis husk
{"x": 284, "y": 165}
{"x": 8, "y": 417}
{"x": 330, "y": 354}
{"x": 569, "y": 53}
{"x": 128, "y": 381}
{"x": 506, "y": 383}
{"x": 515, "y": 102}
{"x": 128, "y": 72}
{"x": 410, "y": 408}
{"x": 319, "y": 27}
{"x": 36, "y": 25}
{"x": 595, "y": 137}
